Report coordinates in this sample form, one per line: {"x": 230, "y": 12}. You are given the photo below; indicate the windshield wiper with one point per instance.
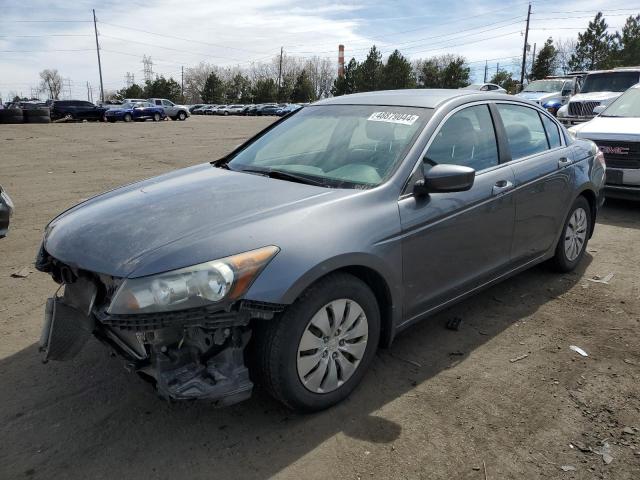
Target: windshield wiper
{"x": 282, "y": 175}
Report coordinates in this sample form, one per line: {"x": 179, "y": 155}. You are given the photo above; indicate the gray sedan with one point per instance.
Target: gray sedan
{"x": 317, "y": 241}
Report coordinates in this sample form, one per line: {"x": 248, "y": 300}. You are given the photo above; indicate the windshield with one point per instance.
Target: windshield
{"x": 626, "y": 105}
{"x": 546, "y": 86}
{"x": 350, "y": 146}
{"x": 609, "y": 82}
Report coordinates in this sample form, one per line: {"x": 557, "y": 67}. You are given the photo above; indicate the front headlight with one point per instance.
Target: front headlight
{"x": 200, "y": 285}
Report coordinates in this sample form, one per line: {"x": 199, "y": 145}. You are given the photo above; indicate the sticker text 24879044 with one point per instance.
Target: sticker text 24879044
{"x": 390, "y": 117}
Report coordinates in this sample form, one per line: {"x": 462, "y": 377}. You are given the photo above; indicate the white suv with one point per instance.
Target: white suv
{"x": 173, "y": 111}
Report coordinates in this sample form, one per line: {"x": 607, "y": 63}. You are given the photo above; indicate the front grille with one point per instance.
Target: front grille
{"x": 582, "y": 109}
{"x": 620, "y": 154}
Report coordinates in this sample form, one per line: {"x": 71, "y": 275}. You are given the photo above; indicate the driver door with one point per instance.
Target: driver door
{"x": 455, "y": 242}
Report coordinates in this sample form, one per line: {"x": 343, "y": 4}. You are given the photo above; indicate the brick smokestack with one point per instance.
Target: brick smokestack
{"x": 340, "y": 60}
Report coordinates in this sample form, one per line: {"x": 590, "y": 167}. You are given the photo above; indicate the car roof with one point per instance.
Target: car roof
{"x": 617, "y": 70}
{"x": 425, "y": 98}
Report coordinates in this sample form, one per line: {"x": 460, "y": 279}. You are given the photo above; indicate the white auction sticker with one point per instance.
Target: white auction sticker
{"x": 390, "y": 117}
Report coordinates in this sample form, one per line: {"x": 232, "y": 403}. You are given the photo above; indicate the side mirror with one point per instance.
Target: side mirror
{"x": 445, "y": 178}
{"x": 599, "y": 109}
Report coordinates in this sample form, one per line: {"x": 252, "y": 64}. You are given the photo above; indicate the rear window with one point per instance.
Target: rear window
{"x": 525, "y": 132}
{"x": 553, "y": 134}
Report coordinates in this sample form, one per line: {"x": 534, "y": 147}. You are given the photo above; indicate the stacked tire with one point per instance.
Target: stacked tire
{"x": 37, "y": 115}
{"x": 11, "y": 115}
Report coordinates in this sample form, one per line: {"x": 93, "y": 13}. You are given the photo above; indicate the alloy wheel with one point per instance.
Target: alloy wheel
{"x": 575, "y": 234}
{"x": 332, "y": 346}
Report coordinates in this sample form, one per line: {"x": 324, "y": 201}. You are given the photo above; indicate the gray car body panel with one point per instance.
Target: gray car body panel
{"x": 429, "y": 252}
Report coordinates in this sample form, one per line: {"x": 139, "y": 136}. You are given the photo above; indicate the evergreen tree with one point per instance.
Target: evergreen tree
{"x": 238, "y": 89}
{"x": 594, "y": 48}
{"x": 264, "y": 90}
{"x": 213, "y": 90}
{"x": 546, "y": 62}
{"x": 347, "y": 83}
{"x": 429, "y": 74}
{"x": 446, "y": 71}
{"x": 398, "y": 73}
{"x": 303, "y": 90}
{"x": 455, "y": 74}
{"x": 369, "y": 74}
{"x": 505, "y": 80}
{"x": 163, "y": 88}
{"x": 628, "y": 53}
{"x": 134, "y": 91}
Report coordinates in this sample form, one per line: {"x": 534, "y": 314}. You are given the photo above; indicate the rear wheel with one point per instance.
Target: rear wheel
{"x": 156, "y": 117}
{"x": 316, "y": 353}
{"x": 127, "y": 117}
{"x": 574, "y": 238}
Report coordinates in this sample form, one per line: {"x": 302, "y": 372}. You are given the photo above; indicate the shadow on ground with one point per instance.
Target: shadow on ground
{"x": 620, "y": 213}
{"x": 90, "y": 419}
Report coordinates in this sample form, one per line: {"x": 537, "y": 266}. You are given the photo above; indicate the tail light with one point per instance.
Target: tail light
{"x": 600, "y": 158}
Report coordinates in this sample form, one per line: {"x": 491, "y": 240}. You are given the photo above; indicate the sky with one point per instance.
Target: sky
{"x": 38, "y": 34}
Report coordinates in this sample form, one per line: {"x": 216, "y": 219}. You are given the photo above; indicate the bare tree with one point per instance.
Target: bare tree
{"x": 194, "y": 80}
{"x": 565, "y": 48}
{"x": 51, "y": 83}
{"x": 322, "y": 73}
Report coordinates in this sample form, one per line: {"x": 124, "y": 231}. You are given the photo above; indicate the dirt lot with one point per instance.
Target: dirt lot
{"x": 438, "y": 404}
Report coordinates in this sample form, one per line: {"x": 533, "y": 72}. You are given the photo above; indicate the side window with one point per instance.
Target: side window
{"x": 167, "y": 103}
{"x": 553, "y": 134}
{"x": 158, "y": 102}
{"x": 466, "y": 138}
{"x": 525, "y": 133}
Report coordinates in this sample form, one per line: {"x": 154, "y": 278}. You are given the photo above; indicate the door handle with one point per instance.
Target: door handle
{"x": 502, "y": 186}
{"x": 563, "y": 162}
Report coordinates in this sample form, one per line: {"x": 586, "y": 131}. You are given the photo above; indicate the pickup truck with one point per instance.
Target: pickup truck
{"x": 600, "y": 88}
{"x": 173, "y": 111}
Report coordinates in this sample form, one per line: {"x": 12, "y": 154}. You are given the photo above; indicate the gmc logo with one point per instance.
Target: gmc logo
{"x": 615, "y": 150}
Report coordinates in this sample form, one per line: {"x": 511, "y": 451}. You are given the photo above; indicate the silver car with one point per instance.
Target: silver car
{"x": 173, "y": 111}
{"x": 317, "y": 241}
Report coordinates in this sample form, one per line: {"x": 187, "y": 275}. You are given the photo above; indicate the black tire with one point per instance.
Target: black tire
{"x": 111, "y": 120}
{"x": 182, "y": 116}
{"x": 276, "y": 343}
{"x": 156, "y": 117}
{"x": 561, "y": 262}
{"x": 11, "y": 115}
{"x": 127, "y": 117}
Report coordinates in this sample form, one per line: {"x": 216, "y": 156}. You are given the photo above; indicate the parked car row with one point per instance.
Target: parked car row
{"x": 279, "y": 109}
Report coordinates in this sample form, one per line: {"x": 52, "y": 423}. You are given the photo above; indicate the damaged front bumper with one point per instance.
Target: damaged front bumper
{"x": 190, "y": 354}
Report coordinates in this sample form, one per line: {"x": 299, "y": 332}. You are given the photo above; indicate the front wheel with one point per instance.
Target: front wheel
{"x": 182, "y": 116}
{"x": 127, "y": 117}
{"x": 316, "y": 353}
{"x": 574, "y": 238}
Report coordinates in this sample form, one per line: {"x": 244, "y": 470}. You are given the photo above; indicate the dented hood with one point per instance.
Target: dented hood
{"x": 179, "y": 219}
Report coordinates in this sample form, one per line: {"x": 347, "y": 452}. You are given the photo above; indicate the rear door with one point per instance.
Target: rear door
{"x": 454, "y": 242}
{"x": 540, "y": 161}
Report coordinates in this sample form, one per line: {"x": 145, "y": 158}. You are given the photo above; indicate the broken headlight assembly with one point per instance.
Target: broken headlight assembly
{"x": 226, "y": 279}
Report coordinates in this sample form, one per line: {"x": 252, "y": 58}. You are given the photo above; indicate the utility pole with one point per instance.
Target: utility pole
{"x": 524, "y": 50}
{"x": 88, "y": 94}
{"x": 497, "y": 68}
{"x": 182, "y": 84}
{"x": 486, "y": 65}
{"x": 280, "y": 72}
{"x": 95, "y": 29}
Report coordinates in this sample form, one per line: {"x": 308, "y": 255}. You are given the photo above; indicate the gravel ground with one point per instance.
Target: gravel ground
{"x": 438, "y": 404}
